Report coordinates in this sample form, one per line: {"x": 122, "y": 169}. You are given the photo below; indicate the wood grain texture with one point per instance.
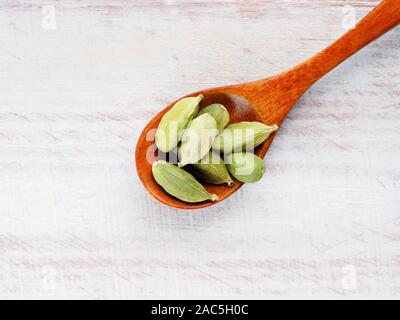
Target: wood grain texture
{"x": 76, "y": 223}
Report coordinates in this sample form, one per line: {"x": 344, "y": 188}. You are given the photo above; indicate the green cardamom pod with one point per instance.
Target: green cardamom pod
{"x": 245, "y": 166}
{"x": 242, "y": 136}
{"x": 175, "y": 121}
{"x": 179, "y": 183}
{"x": 197, "y": 139}
{"x": 211, "y": 169}
{"x": 219, "y": 113}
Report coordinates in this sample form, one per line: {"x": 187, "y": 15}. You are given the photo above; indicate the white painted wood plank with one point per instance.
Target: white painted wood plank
{"x": 75, "y": 221}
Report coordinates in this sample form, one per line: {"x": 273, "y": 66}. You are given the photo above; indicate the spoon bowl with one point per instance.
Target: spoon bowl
{"x": 239, "y": 110}
{"x": 268, "y": 100}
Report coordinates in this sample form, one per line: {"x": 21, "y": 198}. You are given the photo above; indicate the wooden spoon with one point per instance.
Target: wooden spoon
{"x": 268, "y": 100}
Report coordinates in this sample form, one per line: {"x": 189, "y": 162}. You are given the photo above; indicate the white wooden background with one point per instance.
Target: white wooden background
{"x": 75, "y": 221}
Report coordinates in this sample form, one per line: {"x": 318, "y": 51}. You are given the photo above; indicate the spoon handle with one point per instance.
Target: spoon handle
{"x": 382, "y": 19}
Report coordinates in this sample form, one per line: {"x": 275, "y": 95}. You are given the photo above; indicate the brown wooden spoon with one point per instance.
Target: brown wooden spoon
{"x": 268, "y": 100}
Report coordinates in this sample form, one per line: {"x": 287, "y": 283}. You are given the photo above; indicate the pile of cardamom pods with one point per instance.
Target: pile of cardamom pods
{"x": 208, "y": 149}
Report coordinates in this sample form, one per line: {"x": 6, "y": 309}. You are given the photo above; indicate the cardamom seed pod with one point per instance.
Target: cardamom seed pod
{"x": 197, "y": 139}
{"x": 211, "y": 169}
{"x": 179, "y": 183}
{"x": 219, "y": 113}
{"x": 175, "y": 121}
{"x": 242, "y": 136}
{"x": 245, "y": 166}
